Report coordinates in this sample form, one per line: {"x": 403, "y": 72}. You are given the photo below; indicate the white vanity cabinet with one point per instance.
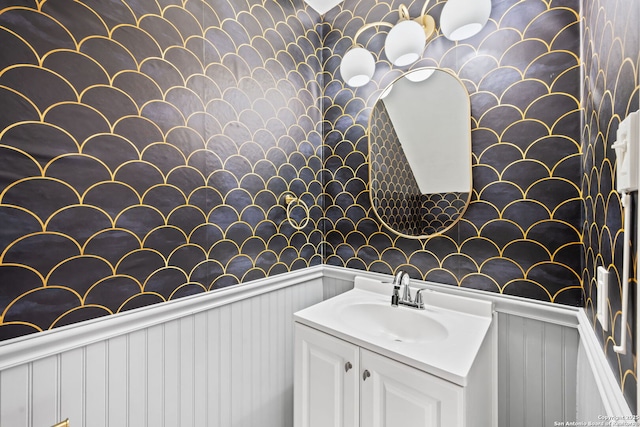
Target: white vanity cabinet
{"x": 397, "y": 395}
{"x": 338, "y": 384}
{"x": 326, "y": 380}
{"x": 360, "y": 362}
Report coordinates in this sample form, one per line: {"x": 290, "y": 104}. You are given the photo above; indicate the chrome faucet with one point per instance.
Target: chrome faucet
{"x": 402, "y": 279}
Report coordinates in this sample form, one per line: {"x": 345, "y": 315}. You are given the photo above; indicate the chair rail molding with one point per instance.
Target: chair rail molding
{"x": 43, "y": 344}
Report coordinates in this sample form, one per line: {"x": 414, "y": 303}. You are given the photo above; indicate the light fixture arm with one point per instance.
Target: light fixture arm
{"x": 403, "y": 12}
{"x": 368, "y": 26}
{"x": 424, "y": 9}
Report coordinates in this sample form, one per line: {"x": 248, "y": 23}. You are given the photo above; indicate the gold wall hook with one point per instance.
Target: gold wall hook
{"x": 289, "y": 198}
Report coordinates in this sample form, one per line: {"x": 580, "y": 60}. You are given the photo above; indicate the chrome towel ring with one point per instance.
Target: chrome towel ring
{"x": 292, "y": 201}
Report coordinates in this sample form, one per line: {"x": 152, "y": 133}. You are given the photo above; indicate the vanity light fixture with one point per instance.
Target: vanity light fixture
{"x": 406, "y": 39}
{"x": 403, "y": 45}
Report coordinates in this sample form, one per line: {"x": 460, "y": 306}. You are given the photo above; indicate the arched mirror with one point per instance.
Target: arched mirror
{"x": 420, "y": 153}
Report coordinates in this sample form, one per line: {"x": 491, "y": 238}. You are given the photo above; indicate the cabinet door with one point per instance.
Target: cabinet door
{"x": 397, "y": 395}
{"x": 326, "y": 383}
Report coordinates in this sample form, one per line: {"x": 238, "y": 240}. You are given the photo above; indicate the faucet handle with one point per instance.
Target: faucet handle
{"x": 406, "y": 294}
{"x": 419, "y": 302}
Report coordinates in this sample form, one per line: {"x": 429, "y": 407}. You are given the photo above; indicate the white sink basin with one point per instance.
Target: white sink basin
{"x": 399, "y": 324}
{"x": 443, "y": 339}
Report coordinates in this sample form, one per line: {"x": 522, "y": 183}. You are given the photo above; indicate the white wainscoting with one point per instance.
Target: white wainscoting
{"x": 598, "y": 392}
{"x": 536, "y": 371}
{"x": 337, "y": 281}
{"x": 225, "y": 359}
{"x": 221, "y": 359}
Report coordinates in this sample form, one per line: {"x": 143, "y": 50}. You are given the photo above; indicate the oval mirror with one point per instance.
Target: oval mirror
{"x": 420, "y": 153}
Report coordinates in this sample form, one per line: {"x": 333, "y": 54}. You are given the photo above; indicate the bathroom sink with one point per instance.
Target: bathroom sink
{"x": 442, "y": 339}
{"x": 394, "y": 323}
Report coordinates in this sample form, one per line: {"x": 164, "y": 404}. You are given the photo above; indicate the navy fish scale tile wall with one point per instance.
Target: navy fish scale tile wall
{"x": 144, "y": 150}
{"x": 611, "y": 88}
{"x": 521, "y": 234}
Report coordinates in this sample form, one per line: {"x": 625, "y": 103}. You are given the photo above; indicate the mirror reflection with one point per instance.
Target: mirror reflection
{"x": 420, "y": 153}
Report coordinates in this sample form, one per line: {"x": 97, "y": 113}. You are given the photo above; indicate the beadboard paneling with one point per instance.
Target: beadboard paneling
{"x": 599, "y": 393}
{"x": 332, "y": 286}
{"x": 230, "y": 366}
{"x": 536, "y": 371}
{"x": 228, "y": 363}
{"x": 44, "y": 391}
{"x": 14, "y": 396}
{"x": 589, "y": 404}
